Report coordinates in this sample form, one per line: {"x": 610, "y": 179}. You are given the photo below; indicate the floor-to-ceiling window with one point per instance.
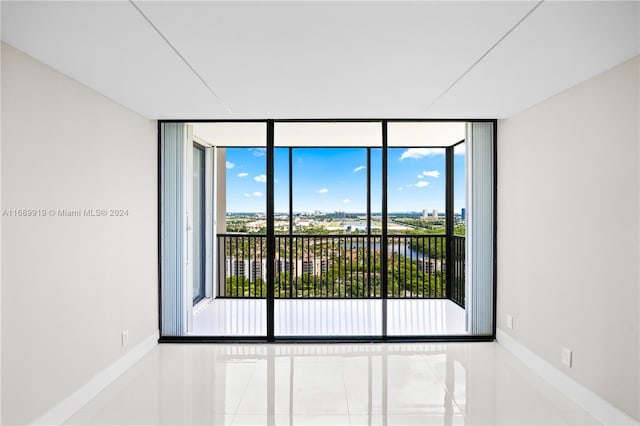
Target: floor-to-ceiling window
{"x": 341, "y": 229}
{"x": 420, "y": 217}
{"x": 328, "y": 285}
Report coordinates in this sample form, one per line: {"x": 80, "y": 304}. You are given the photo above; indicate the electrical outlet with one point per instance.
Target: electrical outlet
{"x": 125, "y": 338}
{"x": 510, "y": 322}
{"x": 566, "y": 357}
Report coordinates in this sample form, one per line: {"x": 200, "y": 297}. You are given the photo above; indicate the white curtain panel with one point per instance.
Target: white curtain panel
{"x": 480, "y": 232}
{"x": 173, "y": 236}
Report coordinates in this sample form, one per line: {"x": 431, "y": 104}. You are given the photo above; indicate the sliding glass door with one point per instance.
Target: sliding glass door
{"x": 327, "y": 254}
{"x": 238, "y": 304}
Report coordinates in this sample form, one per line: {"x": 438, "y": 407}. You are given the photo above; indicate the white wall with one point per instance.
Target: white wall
{"x": 568, "y": 231}
{"x": 1, "y": 50}
{"x": 71, "y": 284}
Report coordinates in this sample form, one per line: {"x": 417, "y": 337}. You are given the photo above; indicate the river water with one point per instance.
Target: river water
{"x": 401, "y": 249}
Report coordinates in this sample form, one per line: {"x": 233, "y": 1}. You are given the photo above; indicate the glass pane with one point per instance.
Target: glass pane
{"x": 422, "y": 134}
{"x": 328, "y": 285}
{"x": 233, "y": 134}
{"x": 416, "y": 191}
{"x": 330, "y": 134}
{"x": 238, "y": 303}
{"x": 417, "y": 267}
{"x": 281, "y": 190}
{"x": 458, "y": 271}
{"x": 460, "y": 189}
{"x": 330, "y": 190}
{"x": 376, "y": 191}
{"x": 198, "y": 224}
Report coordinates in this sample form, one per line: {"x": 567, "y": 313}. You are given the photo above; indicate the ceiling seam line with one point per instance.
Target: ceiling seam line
{"x": 193, "y": 70}
{"x": 516, "y": 25}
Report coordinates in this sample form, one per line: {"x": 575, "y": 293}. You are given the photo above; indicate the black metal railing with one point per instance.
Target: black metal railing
{"x": 417, "y": 266}
{"x": 327, "y": 266}
{"x": 340, "y": 266}
{"x": 457, "y": 281}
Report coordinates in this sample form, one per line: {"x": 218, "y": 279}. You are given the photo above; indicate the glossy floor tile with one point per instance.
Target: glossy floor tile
{"x": 329, "y": 317}
{"x": 339, "y": 384}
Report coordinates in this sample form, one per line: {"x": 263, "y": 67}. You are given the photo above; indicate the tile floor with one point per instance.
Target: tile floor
{"x": 332, "y": 317}
{"x": 324, "y": 384}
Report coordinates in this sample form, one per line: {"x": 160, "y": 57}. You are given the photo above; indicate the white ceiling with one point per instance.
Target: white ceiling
{"x": 191, "y": 60}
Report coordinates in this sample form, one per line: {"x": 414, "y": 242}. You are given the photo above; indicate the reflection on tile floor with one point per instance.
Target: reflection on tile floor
{"x": 332, "y": 317}
{"x": 342, "y": 384}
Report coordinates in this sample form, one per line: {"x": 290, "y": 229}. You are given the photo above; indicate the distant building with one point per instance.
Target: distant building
{"x": 425, "y": 214}
{"x": 434, "y": 215}
{"x": 237, "y": 268}
{"x": 257, "y": 270}
{"x": 307, "y": 266}
{"x": 283, "y": 266}
{"x": 463, "y": 214}
{"x": 430, "y": 266}
{"x": 252, "y": 269}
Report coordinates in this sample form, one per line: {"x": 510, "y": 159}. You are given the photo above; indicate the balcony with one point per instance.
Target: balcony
{"x": 331, "y": 285}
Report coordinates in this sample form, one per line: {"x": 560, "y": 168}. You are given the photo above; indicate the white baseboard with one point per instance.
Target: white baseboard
{"x": 595, "y": 405}
{"x": 62, "y": 411}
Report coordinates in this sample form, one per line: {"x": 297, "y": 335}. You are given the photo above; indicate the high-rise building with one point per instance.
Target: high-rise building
{"x": 425, "y": 214}
{"x": 463, "y": 213}
{"x": 434, "y": 215}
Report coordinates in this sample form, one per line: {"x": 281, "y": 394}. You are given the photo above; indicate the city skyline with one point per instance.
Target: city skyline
{"x": 335, "y": 179}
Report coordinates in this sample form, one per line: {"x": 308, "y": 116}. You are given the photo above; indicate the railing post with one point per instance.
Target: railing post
{"x": 449, "y": 257}
{"x": 222, "y": 267}
{"x": 384, "y": 267}
{"x": 271, "y": 246}
{"x": 290, "y": 256}
{"x": 368, "y": 256}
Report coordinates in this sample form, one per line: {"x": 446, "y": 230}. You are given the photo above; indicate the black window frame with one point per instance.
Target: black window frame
{"x": 270, "y": 236}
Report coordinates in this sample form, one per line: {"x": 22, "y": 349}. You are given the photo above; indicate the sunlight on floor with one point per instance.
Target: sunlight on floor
{"x": 332, "y": 317}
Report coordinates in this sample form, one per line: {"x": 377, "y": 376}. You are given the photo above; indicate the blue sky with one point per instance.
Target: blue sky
{"x": 334, "y": 179}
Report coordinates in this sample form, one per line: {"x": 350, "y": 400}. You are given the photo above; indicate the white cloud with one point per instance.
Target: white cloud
{"x": 357, "y": 169}
{"x": 259, "y": 152}
{"x": 421, "y": 184}
{"x": 260, "y": 178}
{"x": 399, "y": 188}
{"x": 416, "y": 153}
{"x": 230, "y": 165}
{"x": 246, "y": 194}
{"x": 346, "y": 200}
{"x": 420, "y": 152}
{"x": 243, "y": 174}
{"x": 257, "y": 194}
{"x": 431, "y": 173}
{"x": 323, "y": 191}
{"x": 420, "y": 176}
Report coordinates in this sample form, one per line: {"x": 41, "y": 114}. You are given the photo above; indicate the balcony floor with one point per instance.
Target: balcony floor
{"x": 329, "y": 317}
